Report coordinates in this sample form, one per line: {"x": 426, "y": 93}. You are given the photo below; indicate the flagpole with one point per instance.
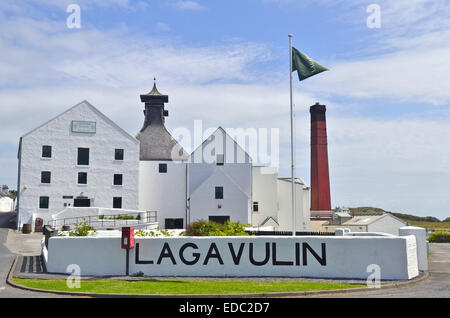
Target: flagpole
{"x": 292, "y": 140}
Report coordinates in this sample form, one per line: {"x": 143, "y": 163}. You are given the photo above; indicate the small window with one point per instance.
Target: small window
{"x": 117, "y": 202}
{"x": 220, "y": 160}
{"x": 219, "y": 192}
{"x": 255, "y": 207}
{"x": 82, "y": 177}
{"x": 117, "y": 179}
{"x": 118, "y": 154}
{"x": 83, "y": 157}
{"x": 163, "y": 168}
{"x": 43, "y": 202}
{"x": 46, "y": 151}
{"x": 221, "y": 219}
{"x": 173, "y": 224}
{"x": 45, "y": 176}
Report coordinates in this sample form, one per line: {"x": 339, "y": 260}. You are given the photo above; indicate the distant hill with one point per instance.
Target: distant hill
{"x": 403, "y": 216}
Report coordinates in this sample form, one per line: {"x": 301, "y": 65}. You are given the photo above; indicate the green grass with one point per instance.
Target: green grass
{"x": 431, "y": 225}
{"x": 181, "y": 286}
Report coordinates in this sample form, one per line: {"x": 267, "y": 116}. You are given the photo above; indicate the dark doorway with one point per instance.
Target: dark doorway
{"x": 81, "y": 202}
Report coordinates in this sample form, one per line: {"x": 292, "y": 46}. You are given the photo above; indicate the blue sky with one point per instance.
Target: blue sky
{"x": 226, "y": 62}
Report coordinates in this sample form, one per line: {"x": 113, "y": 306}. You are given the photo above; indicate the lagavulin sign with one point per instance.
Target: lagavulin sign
{"x": 258, "y": 256}
{"x": 303, "y": 256}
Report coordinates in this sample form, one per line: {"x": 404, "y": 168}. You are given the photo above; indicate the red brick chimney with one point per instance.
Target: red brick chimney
{"x": 320, "y": 179}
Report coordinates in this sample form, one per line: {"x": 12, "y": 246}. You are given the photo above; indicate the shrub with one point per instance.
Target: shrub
{"x": 138, "y": 274}
{"x": 210, "y": 228}
{"x": 140, "y": 233}
{"x": 82, "y": 229}
{"x": 433, "y": 235}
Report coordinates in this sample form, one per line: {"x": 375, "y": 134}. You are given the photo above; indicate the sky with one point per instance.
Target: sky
{"x": 227, "y": 63}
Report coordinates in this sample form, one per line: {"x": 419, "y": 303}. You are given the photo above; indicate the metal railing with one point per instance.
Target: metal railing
{"x": 289, "y": 233}
{"x": 108, "y": 221}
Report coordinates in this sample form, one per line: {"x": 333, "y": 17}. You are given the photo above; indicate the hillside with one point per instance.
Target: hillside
{"x": 403, "y": 216}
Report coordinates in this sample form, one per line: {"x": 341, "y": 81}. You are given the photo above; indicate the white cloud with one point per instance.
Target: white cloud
{"x": 46, "y": 50}
{"x": 419, "y": 75}
{"x": 399, "y": 165}
{"x": 188, "y": 5}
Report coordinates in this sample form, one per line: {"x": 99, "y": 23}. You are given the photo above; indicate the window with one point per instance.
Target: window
{"x": 83, "y": 157}
{"x": 45, "y": 176}
{"x": 173, "y": 224}
{"x": 163, "y": 168}
{"x": 118, "y": 154}
{"x": 82, "y": 177}
{"x": 219, "y": 192}
{"x": 221, "y": 219}
{"x": 43, "y": 202}
{"x": 117, "y": 202}
{"x": 220, "y": 160}
{"x": 255, "y": 207}
{"x": 117, "y": 179}
{"x": 46, "y": 151}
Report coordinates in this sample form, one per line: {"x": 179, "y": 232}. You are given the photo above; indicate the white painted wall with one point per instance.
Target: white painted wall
{"x": 265, "y": 193}
{"x": 386, "y": 224}
{"x": 64, "y": 169}
{"x": 235, "y": 202}
{"x": 346, "y": 256}
{"x": 163, "y": 192}
{"x": 235, "y": 176}
{"x": 421, "y": 242}
{"x": 6, "y": 204}
{"x": 285, "y": 206}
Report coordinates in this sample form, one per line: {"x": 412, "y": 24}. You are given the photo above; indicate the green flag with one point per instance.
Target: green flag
{"x": 304, "y": 65}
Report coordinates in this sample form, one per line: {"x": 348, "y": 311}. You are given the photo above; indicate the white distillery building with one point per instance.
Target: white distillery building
{"x": 272, "y": 199}
{"x": 80, "y": 158}
{"x": 162, "y": 165}
{"x": 220, "y": 181}
{"x": 216, "y": 182}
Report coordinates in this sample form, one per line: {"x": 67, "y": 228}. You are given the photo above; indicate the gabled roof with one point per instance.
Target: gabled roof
{"x": 368, "y": 219}
{"x": 226, "y": 135}
{"x": 95, "y": 110}
{"x": 7, "y": 195}
{"x": 343, "y": 214}
{"x": 267, "y": 220}
{"x": 297, "y": 180}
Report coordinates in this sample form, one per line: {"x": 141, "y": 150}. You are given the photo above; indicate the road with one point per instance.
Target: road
{"x": 6, "y": 260}
{"x": 436, "y": 286}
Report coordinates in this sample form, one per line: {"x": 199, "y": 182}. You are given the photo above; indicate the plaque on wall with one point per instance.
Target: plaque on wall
{"x": 86, "y": 127}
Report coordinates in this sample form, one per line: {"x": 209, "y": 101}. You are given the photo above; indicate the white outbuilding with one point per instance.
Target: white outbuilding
{"x": 377, "y": 222}
{"x": 7, "y": 202}
{"x": 272, "y": 199}
{"x": 79, "y": 158}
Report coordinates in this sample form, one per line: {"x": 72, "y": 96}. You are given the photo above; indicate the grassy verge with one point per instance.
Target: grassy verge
{"x": 431, "y": 225}
{"x": 181, "y": 286}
